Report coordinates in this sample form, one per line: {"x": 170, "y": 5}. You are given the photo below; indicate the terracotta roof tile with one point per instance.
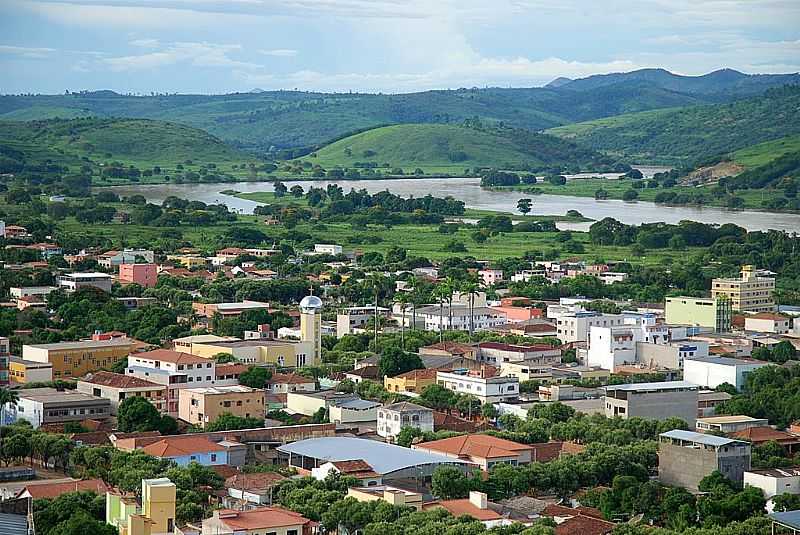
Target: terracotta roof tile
{"x": 178, "y": 446}
{"x": 254, "y": 482}
{"x": 428, "y": 373}
{"x": 482, "y": 446}
{"x": 289, "y": 378}
{"x": 261, "y": 518}
{"x": 176, "y": 357}
{"x": 53, "y": 490}
{"x": 464, "y": 507}
{"x": 118, "y": 380}
{"x": 765, "y": 434}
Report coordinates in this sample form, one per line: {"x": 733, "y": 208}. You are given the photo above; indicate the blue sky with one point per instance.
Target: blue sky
{"x": 218, "y": 46}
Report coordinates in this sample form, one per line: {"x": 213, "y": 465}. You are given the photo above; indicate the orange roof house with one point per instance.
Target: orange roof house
{"x": 54, "y": 490}
{"x": 482, "y": 450}
{"x": 259, "y": 520}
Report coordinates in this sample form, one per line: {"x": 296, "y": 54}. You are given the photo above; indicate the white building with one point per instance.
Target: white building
{"x": 485, "y": 389}
{"x": 326, "y": 248}
{"x": 774, "y": 481}
{"x": 351, "y": 318}
{"x": 126, "y": 256}
{"x": 614, "y": 346}
{"x": 392, "y": 418}
{"x": 527, "y": 274}
{"x": 713, "y": 371}
{"x": 490, "y": 276}
{"x": 767, "y": 322}
{"x": 483, "y": 318}
{"x": 610, "y": 277}
{"x": 75, "y": 281}
{"x": 29, "y": 291}
{"x": 574, "y": 326}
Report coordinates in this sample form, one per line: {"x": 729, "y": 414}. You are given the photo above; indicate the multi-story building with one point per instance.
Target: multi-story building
{"x": 729, "y": 424}
{"x": 657, "y": 401}
{"x": 28, "y": 291}
{"x": 351, "y": 318}
{"x": 41, "y": 406}
{"x": 713, "y": 371}
{"x": 686, "y": 457}
{"x": 22, "y": 371}
{"x": 75, "y": 359}
{"x": 498, "y": 353}
{"x": 112, "y": 259}
{"x": 274, "y": 352}
{"x": 283, "y": 383}
{"x": 117, "y": 387}
{"x": 73, "y": 282}
{"x": 175, "y": 371}
{"x": 774, "y": 481}
{"x": 413, "y": 382}
{"x": 485, "y": 389}
{"x": 574, "y": 326}
{"x": 145, "y": 275}
{"x": 392, "y": 418}
{"x": 202, "y": 406}
{"x": 156, "y": 514}
{"x": 457, "y": 318}
{"x": 326, "y": 248}
{"x": 749, "y": 293}
{"x": 208, "y": 310}
{"x": 5, "y": 361}
{"x": 490, "y": 276}
{"x": 713, "y": 313}
{"x": 613, "y": 346}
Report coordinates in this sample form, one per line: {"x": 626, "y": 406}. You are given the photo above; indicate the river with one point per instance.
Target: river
{"x": 469, "y": 191}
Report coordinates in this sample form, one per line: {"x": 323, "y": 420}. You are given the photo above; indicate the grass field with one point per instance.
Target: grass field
{"x": 764, "y": 153}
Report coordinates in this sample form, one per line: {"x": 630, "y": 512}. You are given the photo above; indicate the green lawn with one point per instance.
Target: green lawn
{"x": 764, "y": 153}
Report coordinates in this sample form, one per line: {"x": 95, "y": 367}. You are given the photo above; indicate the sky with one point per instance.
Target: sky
{"x": 390, "y": 46}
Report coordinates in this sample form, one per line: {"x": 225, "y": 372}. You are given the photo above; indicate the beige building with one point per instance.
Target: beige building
{"x": 27, "y": 371}
{"x": 201, "y": 406}
{"x": 116, "y": 387}
{"x": 391, "y": 495}
{"x": 767, "y": 322}
{"x": 749, "y": 293}
{"x": 282, "y": 353}
{"x": 76, "y": 359}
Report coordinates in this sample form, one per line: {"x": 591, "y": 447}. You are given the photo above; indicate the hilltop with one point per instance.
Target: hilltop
{"x": 131, "y": 141}
{"x": 451, "y": 149}
{"x": 272, "y": 120}
{"x": 692, "y": 134}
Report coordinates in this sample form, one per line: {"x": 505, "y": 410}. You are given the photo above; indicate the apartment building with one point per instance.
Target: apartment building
{"x": 657, "y": 401}
{"x": 112, "y": 259}
{"x": 613, "y": 346}
{"x": 202, "y": 406}
{"x": 72, "y": 282}
{"x": 5, "y": 360}
{"x": 574, "y": 326}
{"x": 41, "y": 406}
{"x": 486, "y": 389}
{"x": 117, "y": 387}
{"x": 712, "y": 313}
{"x": 349, "y": 319}
{"x": 175, "y": 371}
{"x": 392, "y": 418}
{"x": 498, "y": 352}
{"x": 457, "y": 318}
{"x": 767, "y": 322}
{"x": 686, "y": 457}
{"x": 76, "y": 359}
{"x": 145, "y": 275}
{"x": 751, "y": 292}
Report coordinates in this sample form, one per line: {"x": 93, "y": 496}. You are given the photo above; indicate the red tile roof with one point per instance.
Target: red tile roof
{"x": 254, "y": 482}
{"x": 117, "y": 380}
{"x": 228, "y": 369}
{"x": 261, "y": 518}
{"x": 765, "y": 434}
{"x": 512, "y": 347}
{"x": 179, "y": 446}
{"x": 356, "y": 468}
{"x": 464, "y": 507}
{"x": 584, "y": 525}
{"x": 428, "y": 373}
{"x": 53, "y": 490}
{"x": 289, "y": 378}
{"x": 481, "y": 446}
{"x": 176, "y": 357}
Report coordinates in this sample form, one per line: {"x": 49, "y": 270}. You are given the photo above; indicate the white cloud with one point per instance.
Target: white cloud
{"x": 196, "y": 54}
{"x": 145, "y": 43}
{"x": 26, "y": 52}
{"x": 280, "y": 52}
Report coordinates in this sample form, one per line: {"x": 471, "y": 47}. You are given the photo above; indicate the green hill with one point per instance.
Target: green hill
{"x": 449, "y": 148}
{"x": 131, "y": 141}
{"x": 688, "y": 135}
{"x": 763, "y": 153}
{"x": 299, "y": 120}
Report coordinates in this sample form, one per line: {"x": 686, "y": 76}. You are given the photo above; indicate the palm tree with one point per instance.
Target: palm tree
{"x": 375, "y": 280}
{"x": 452, "y": 285}
{"x": 402, "y": 299}
{"x": 470, "y": 287}
{"x": 413, "y": 286}
{"x": 441, "y": 292}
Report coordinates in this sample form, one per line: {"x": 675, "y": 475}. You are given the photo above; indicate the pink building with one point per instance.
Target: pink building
{"x": 516, "y": 314}
{"x": 491, "y": 276}
{"x": 145, "y": 275}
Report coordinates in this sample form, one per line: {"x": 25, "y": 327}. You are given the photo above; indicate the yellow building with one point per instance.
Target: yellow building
{"x": 76, "y": 359}
{"x": 283, "y": 353}
{"x": 414, "y": 381}
{"x": 392, "y": 495}
{"x": 157, "y": 514}
{"x": 201, "y": 406}
{"x": 311, "y": 323}
{"x": 188, "y": 261}
{"x": 749, "y": 293}
{"x": 22, "y": 371}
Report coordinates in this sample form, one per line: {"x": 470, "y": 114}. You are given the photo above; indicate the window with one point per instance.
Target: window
{"x": 213, "y": 457}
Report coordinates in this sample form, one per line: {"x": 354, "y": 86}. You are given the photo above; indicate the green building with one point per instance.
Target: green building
{"x": 702, "y": 311}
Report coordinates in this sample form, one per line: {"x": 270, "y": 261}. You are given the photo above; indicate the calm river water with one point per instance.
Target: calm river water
{"x": 469, "y": 191}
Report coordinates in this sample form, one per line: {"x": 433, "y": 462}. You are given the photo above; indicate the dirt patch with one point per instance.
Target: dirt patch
{"x": 712, "y": 174}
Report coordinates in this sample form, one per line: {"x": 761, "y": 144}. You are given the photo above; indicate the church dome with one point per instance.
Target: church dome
{"x": 310, "y": 303}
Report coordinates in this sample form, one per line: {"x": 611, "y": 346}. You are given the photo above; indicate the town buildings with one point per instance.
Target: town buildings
{"x": 117, "y": 387}
{"x": 259, "y": 521}
{"x": 485, "y": 389}
{"x": 5, "y": 361}
{"x": 686, "y": 457}
{"x": 715, "y": 313}
{"x": 658, "y": 401}
{"x": 41, "y": 406}
{"x": 22, "y": 371}
{"x": 713, "y": 371}
{"x": 202, "y": 406}
{"x": 73, "y": 282}
{"x": 144, "y": 275}
{"x": 458, "y": 318}
{"x": 392, "y": 418}
{"x": 768, "y": 322}
{"x": 156, "y": 514}
{"x": 412, "y": 382}
{"x": 484, "y": 451}
{"x": 574, "y": 326}
{"x": 351, "y": 319}
{"x": 114, "y": 259}
{"x": 75, "y": 359}
{"x": 729, "y": 424}
{"x": 774, "y": 481}
{"x": 248, "y": 491}
{"x": 751, "y": 292}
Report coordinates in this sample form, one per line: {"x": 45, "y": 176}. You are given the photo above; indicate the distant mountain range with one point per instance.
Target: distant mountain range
{"x": 260, "y": 121}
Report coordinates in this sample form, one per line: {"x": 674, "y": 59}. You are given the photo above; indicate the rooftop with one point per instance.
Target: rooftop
{"x": 53, "y": 490}
{"x": 89, "y": 275}
{"x": 483, "y": 446}
{"x": 465, "y": 507}
{"x": 644, "y": 387}
{"x": 178, "y": 446}
{"x": 789, "y": 518}
{"x": 699, "y": 438}
{"x": 512, "y": 347}
{"x": 221, "y": 390}
{"x": 114, "y": 342}
{"x": 261, "y": 518}
{"x": 254, "y": 482}
{"x": 202, "y": 338}
{"x": 730, "y": 419}
{"x": 406, "y": 406}
{"x": 289, "y": 378}
{"x": 758, "y": 435}
{"x": 767, "y": 316}
{"x": 729, "y": 361}
{"x": 175, "y": 357}
{"x": 382, "y": 457}
{"x": 51, "y": 395}
{"x": 117, "y": 380}
{"x": 778, "y": 472}
{"x": 417, "y": 374}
